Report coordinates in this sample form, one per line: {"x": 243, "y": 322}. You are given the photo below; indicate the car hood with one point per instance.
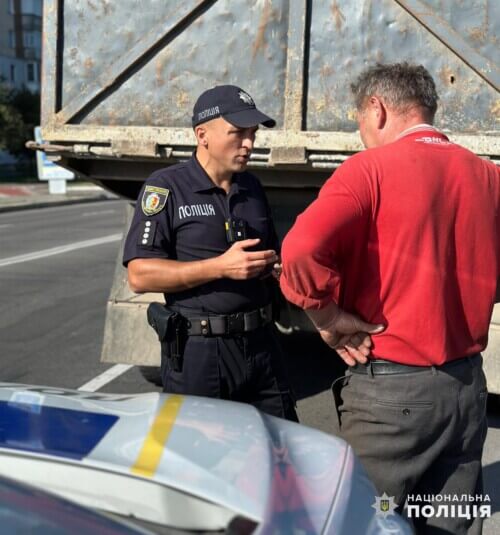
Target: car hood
{"x": 179, "y": 460}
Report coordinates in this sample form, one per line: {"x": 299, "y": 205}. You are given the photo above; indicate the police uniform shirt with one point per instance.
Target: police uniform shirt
{"x": 181, "y": 214}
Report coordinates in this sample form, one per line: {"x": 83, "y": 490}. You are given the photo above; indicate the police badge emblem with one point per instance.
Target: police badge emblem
{"x": 246, "y": 98}
{"x": 384, "y": 505}
{"x": 154, "y": 200}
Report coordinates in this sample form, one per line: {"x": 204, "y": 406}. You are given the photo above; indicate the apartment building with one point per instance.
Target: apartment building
{"x": 21, "y": 43}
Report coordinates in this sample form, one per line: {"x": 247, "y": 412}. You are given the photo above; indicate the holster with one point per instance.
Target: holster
{"x": 171, "y": 328}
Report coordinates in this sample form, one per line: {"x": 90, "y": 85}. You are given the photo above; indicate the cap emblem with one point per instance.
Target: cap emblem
{"x": 246, "y": 98}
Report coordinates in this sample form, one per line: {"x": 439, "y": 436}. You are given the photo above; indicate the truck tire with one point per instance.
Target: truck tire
{"x": 151, "y": 374}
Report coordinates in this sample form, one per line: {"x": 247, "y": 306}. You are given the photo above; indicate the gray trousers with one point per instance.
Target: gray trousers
{"x": 419, "y": 434}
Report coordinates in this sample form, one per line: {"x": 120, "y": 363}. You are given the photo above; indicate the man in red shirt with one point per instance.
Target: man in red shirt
{"x": 396, "y": 264}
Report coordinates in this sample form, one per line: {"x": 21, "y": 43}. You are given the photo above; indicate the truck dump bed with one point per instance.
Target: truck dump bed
{"x": 120, "y": 79}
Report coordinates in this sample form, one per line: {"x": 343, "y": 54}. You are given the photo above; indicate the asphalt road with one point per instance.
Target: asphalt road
{"x": 56, "y": 268}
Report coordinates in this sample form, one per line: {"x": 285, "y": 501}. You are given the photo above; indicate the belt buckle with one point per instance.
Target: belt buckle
{"x": 235, "y": 323}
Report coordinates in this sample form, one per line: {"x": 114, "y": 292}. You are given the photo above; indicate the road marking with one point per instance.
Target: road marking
{"x": 154, "y": 444}
{"x": 7, "y": 225}
{"x": 105, "y": 377}
{"x": 88, "y": 214}
{"x": 86, "y": 187}
{"x": 24, "y": 214}
{"x": 59, "y": 250}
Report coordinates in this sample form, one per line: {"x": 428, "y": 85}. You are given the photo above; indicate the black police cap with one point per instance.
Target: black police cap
{"x": 233, "y": 104}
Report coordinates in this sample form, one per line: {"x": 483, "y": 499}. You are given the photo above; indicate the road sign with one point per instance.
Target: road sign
{"x": 48, "y": 170}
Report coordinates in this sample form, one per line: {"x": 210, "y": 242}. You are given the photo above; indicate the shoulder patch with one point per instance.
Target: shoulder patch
{"x": 154, "y": 199}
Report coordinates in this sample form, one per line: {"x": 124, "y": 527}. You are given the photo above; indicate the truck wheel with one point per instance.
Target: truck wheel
{"x": 151, "y": 374}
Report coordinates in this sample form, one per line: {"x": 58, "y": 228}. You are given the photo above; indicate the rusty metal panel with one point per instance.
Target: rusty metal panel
{"x": 144, "y": 63}
{"x": 128, "y": 72}
{"x": 346, "y": 36}
{"x": 101, "y": 73}
{"x": 49, "y": 71}
{"x": 295, "y": 66}
{"x": 470, "y": 39}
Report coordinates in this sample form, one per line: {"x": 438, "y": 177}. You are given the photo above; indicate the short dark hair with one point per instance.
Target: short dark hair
{"x": 401, "y": 85}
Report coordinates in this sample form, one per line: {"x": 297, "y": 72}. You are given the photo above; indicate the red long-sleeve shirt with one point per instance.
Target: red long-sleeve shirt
{"x": 408, "y": 235}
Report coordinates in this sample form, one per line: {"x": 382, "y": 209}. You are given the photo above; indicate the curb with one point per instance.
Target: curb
{"x": 46, "y": 204}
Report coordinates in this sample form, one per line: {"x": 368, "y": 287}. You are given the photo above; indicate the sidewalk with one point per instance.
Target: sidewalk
{"x": 36, "y": 195}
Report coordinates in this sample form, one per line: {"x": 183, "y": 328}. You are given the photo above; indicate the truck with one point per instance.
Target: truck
{"x": 119, "y": 80}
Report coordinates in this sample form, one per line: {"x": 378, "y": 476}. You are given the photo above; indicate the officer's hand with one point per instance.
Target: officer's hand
{"x": 239, "y": 264}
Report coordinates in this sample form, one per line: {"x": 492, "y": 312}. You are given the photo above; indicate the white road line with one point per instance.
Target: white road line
{"x": 87, "y": 214}
{"x": 7, "y": 225}
{"x": 26, "y": 214}
{"x": 85, "y": 187}
{"x": 58, "y": 250}
{"x": 106, "y": 377}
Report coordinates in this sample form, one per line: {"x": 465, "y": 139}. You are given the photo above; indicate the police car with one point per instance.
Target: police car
{"x": 166, "y": 463}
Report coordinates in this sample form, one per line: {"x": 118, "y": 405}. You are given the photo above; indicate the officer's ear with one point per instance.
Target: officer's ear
{"x": 200, "y": 132}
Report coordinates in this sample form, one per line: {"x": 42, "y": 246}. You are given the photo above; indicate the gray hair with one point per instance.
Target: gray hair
{"x": 401, "y": 85}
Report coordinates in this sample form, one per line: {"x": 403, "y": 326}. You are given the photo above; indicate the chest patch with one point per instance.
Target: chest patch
{"x": 190, "y": 210}
{"x": 154, "y": 200}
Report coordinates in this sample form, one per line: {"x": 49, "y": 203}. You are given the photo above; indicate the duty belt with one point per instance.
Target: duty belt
{"x": 216, "y": 325}
{"x": 385, "y": 367}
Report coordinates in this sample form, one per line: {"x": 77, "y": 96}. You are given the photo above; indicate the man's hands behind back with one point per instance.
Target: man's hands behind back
{"x": 348, "y": 334}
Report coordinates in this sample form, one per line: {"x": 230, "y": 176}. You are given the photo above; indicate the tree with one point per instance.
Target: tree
{"x": 19, "y": 114}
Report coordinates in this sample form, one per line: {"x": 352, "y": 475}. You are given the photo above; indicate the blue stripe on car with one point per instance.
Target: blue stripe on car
{"x": 51, "y": 430}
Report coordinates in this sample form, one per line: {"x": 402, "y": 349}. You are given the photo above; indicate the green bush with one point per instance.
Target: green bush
{"x": 19, "y": 114}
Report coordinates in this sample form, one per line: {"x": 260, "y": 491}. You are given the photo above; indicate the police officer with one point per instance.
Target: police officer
{"x": 202, "y": 234}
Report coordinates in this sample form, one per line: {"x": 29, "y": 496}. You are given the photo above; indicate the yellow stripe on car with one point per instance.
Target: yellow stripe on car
{"x": 150, "y": 455}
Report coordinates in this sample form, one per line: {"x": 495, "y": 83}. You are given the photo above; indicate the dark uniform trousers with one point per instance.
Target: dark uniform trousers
{"x": 419, "y": 433}
{"x": 247, "y": 367}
